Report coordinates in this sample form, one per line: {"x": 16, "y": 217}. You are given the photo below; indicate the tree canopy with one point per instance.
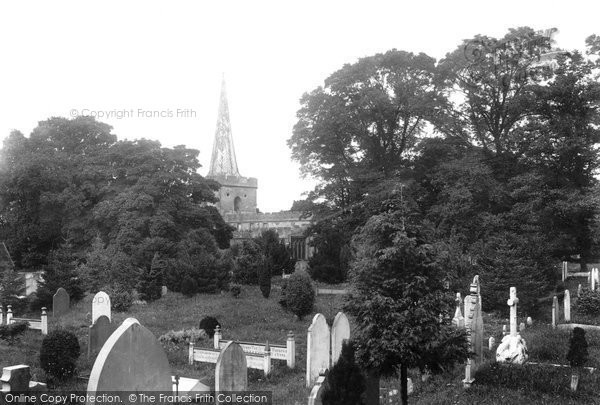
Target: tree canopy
{"x": 112, "y": 204}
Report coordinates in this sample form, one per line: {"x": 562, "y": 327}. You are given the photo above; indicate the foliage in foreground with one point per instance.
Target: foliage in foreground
{"x": 398, "y": 296}
{"x": 345, "y": 382}
{"x": 58, "y": 354}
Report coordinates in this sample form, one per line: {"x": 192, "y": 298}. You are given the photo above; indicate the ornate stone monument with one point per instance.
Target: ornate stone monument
{"x": 459, "y": 319}
{"x": 474, "y": 325}
{"x": 513, "y": 348}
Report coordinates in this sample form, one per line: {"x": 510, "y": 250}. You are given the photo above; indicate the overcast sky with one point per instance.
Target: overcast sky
{"x": 141, "y": 57}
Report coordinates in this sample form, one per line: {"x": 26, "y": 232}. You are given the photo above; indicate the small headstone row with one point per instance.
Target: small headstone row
{"x": 566, "y": 309}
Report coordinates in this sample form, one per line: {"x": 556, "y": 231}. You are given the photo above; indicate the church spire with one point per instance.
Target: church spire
{"x": 222, "y": 161}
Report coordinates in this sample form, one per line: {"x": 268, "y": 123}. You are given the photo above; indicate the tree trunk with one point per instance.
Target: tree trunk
{"x": 404, "y": 383}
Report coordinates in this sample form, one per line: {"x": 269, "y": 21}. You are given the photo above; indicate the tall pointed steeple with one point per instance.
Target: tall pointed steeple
{"x": 222, "y": 161}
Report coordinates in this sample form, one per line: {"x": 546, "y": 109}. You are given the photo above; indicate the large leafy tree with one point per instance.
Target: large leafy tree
{"x": 493, "y": 81}
{"x": 560, "y": 146}
{"x": 115, "y": 204}
{"x": 357, "y": 129}
{"x": 49, "y": 184}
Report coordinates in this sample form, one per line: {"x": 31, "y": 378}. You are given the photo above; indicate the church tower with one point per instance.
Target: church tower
{"x": 237, "y": 193}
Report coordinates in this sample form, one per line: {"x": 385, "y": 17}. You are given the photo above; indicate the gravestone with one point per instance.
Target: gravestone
{"x": 513, "y": 348}
{"x": 521, "y": 326}
{"x": 340, "y": 331}
{"x": 579, "y": 290}
{"x": 163, "y": 291}
{"x": 491, "y": 343}
{"x": 18, "y": 379}
{"x": 474, "y": 319}
{"x": 101, "y": 306}
{"x": 567, "y": 304}
{"x": 98, "y": 334}
{"x": 231, "y": 373}
{"x": 60, "y": 302}
{"x": 317, "y": 349}
{"x": 529, "y": 321}
{"x": 131, "y": 360}
{"x": 555, "y": 317}
{"x": 316, "y": 394}
{"x": 474, "y": 326}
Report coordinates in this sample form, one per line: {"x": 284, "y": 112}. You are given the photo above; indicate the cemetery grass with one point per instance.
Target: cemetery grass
{"x": 248, "y": 318}
{"x": 254, "y": 318}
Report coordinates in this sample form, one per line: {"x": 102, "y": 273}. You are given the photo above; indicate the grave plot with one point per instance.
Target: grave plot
{"x": 258, "y": 355}
{"x": 37, "y": 324}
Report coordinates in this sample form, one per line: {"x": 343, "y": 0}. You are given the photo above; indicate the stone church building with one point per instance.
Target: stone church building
{"x": 237, "y": 195}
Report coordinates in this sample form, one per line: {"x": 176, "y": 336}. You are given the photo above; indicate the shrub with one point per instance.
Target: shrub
{"x": 578, "y": 353}
{"x": 588, "y": 302}
{"x": 12, "y": 331}
{"x": 182, "y": 336}
{"x": 298, "y": 295}
{"x": 189, "y": 286}
{"x": 248, "y": 258}
{"x": 58, "y": 354}
{"x": 120, "y": 298}
{"x": 345, "y": 382}
{"x": 236, "y": 290}
{"x": 264, "y": 280}
{"x": 209, "y": 324}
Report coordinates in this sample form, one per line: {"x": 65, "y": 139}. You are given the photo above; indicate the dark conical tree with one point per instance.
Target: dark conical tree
{"x": 150, "y": 282}
{"x": 264, "y": 279}
{"x": 345, "y": 383}
{"x": 61, "y": 271}
{"x": 12, "y": 287}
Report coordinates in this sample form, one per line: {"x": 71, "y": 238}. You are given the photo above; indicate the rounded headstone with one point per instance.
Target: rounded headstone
{"x": 529, "y": 321}
{"x": 101, "y": 306}
{"x": 340, "y": 331}
{"x": 60, "y": 302}
{"x": 131, "y": 360}
{"x": 318, "y": 345}
{"x": 231, "y": 373}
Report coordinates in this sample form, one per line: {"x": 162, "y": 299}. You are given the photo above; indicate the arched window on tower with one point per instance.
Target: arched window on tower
{"x": 237, "y": 202}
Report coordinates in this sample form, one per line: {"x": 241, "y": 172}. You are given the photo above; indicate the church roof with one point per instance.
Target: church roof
{"x": 223, "y": 161}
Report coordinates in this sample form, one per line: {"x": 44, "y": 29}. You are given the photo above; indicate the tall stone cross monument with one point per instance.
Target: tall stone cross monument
{"x": 512, "y": 303}
{"x": 513, "y": 348}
